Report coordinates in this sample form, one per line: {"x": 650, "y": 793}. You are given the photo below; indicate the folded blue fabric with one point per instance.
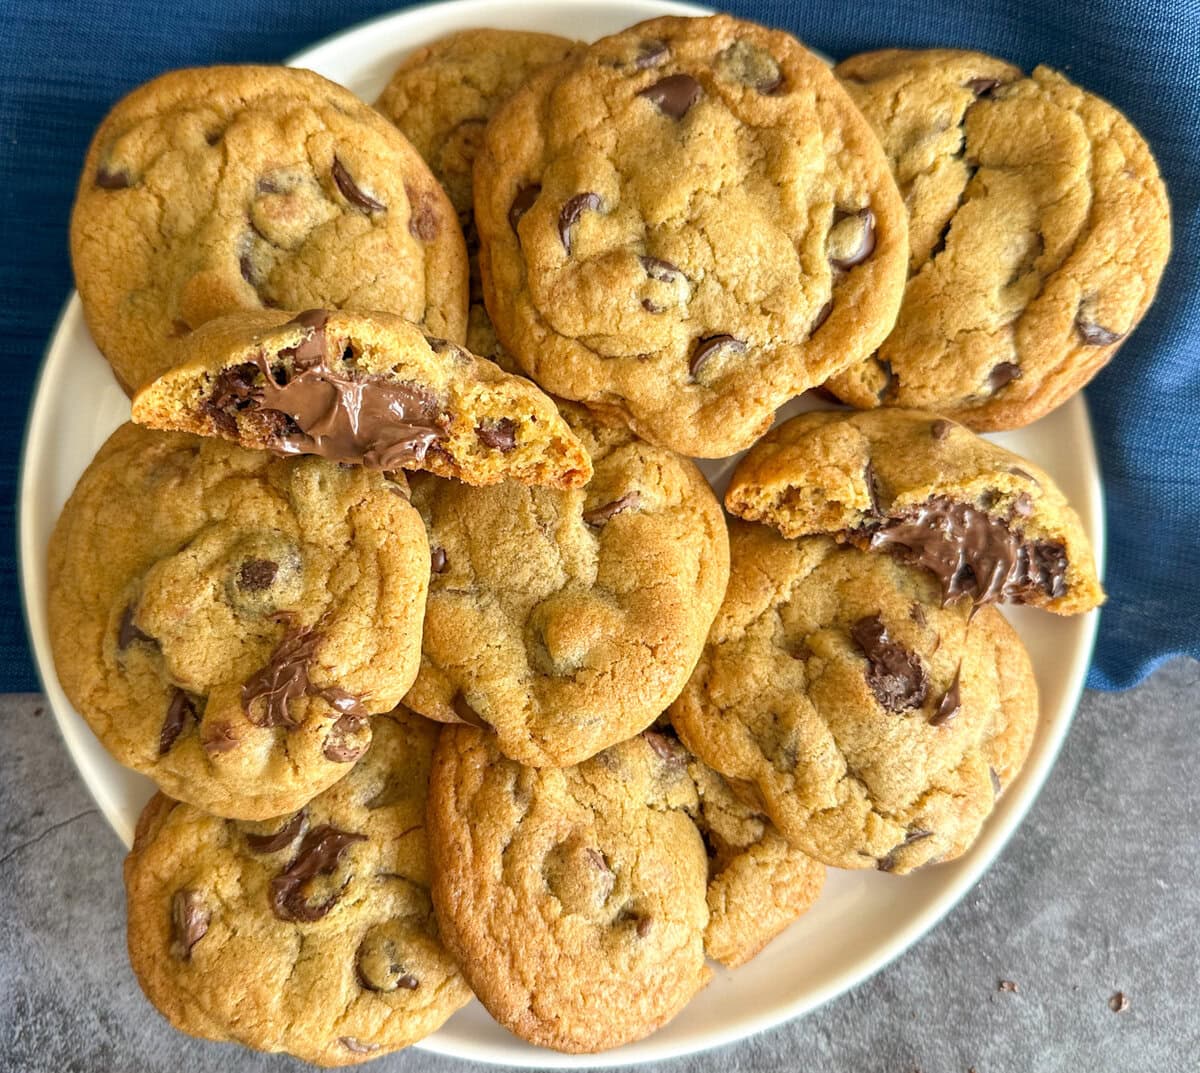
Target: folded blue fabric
{"x": 62, "y": 65}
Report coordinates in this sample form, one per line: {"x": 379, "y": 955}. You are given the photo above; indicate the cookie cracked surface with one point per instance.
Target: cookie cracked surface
{"x": 215, "y": 189}
{"x": 566, "y": 620}
{"x": 874, "y": 726}
{"x": 688, "y": 224}
{"x": 989, "y": 524}
{"x": 362, "y": 388}
{"x": 1039, "y": 228}
{"x": 313, "y": 933}
{"x": 226, "y": 622}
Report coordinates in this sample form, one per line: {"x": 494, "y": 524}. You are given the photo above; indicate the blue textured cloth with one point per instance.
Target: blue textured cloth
{"x": 62, "y": 65}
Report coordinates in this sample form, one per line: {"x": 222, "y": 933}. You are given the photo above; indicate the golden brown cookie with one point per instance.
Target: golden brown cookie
{"x": 216, "y": 189}
{"x": 226, "y": 621}
{"x": 362, "y": 388}
{"x": 566, "y": 620}
{"x": 989, "y": 524}
{"x": 311, "y": 934}
{"x": 688, "y": 224}
{"x": 573, "y": 898}
{"x": 874, "y": 726}
{"x": 1039, "y": 230}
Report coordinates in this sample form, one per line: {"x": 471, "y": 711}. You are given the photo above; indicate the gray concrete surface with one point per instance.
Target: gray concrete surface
{"x": 1096, "y": 894}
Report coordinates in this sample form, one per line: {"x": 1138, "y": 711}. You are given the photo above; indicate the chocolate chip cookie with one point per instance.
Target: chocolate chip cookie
{"x": 223, "y": 188}
{"x": 226, "y": 621}
{"x": 873, "y": 725}
{"x": 566, "y": 620}
{"x": 990, "y": 525}
{"x": 312, "y": 933}
{"x": 362, "y": 388}
{"x": 1039, "y": 230}
{"x": 573, "y": 898}
{"x": 688, "y": 224}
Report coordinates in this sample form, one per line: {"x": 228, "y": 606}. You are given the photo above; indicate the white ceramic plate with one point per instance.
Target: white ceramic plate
{"x": 863, "y": 919}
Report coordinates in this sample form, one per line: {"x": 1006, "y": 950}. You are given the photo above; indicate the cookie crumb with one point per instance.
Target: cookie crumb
{"x": 1008, "y": 985}
{"x": 1118, "y": 1002}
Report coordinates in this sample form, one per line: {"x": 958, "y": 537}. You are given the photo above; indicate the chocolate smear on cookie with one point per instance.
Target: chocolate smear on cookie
{"x": 319, "y": 855}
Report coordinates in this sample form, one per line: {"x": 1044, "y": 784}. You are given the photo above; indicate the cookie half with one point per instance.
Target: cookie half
{"x": 573, "y": 898}
{"x": 688, "y": 224}
{"x": 227, "y": 622}
{"x": 311, "y": 934}
{"x": 989, "y": 524}
{"x": 567, "y": 620}
{"x": 873, "y": 725}
{"x": 215, "y": 189}
{"x": 362, "y": 388}
{"x": 1039, "y": 230}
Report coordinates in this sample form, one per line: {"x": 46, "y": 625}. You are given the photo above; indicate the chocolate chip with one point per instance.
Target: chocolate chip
{"x": 1118, "y": 1002}
{"x": 320, "y": 852}
{"x": 423, "y": 221}
{"x": 997, "y": 787}
{"x": 356, "y": 1046}
{"x": 599, "y": 515}
{"x": 256, "y": 575}
{"x": 1096, "y": 334}
{"x": 351, "y": 191}
{"x": 650, "y": 54}
{"x": 179, "y": 711}
{"x": 111, "y": 180}
{"x": 380, "y": 967}
{"x": 940, "y": 429}
{"x": 574, "y": 208}
{"x": 1022, "y": 506}
{"x": 872, "y": 483}
{"x": 983, "y": 87}
{"x": 1002, "y": 375}
{"x": 917, "y": 614}
{"x": 190, "y": 918}
{"x": 821, "y": 317}
{"x": 180, "y": 328}
{"x": 127, "y": 632}
{"x": 246, "y": 266}
{"x": 643, "y": 926}
{"x": 950, "y": 704}
{"x": 673, "y": 95}
{"x": 1016, "y": 471}
{"x": 214, "y": 136}
{"x": 888, "y": 863}
{"x": 437, "y": 560}
{"x": 499, "y": 435}
{"x": 668, "y": 749}
{"x": 316, "y": 319}
{"x": 346, "y": 740}
{"x": 851, "y": 238}
{"x": 281, "y": 839}
{"x": 521, "y": 204}
{"x": 462, "y": 708}
{"x": 800, "y": 651}
{"x": 889, "y": 380}
{"x": 662, "y": 271}
{"x": 710, "y": 345}
{"x": 894, "y": 674}
{"x": 752, "y": 66}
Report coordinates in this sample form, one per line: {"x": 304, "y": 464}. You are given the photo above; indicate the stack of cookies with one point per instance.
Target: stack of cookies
{"x": 404, "y": 589}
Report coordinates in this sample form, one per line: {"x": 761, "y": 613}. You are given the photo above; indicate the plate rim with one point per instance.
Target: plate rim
{"x": 985, "y": 851}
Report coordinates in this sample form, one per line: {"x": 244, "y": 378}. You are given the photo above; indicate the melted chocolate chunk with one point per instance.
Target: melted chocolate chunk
{"x": 752, "y": 66}
{"x": 437, "y": 560}
{"x": 599, "y": 515}
{"x": 644, "y": 924}
{"x": 256, "y": 575}
{"x": 1096, "y": 334}
{"x": 521, "y": 204}
{"x": 379, "y": 966}
{"x": 127, "y": 632}
{"x": 917, "y": 614}
{"x": 423, "y": 222}
{"x": 219, "y": 738}
{"x": 462, "y": 708}
{"x": 940, "y": 429}
{"x": 285, "y": 678}
{"x": 650, "y": 54}
{"x": 669, "y": 750}
{"x": 660, "y": 270}
{"x": 1002, "y": 375}
{"x": 356, "y": 1046}
{"x": 320, "y": 852}
{"x": 950, "y": 704}
{"x": 872, "y": 483}
{"x": 281, "y": 839}
{"x": 983, "y": 87}
{"x": 346, "y": 741}
{"x": 179, "y": 711}
{"x": 853, "y": 242}
{"x": 190, "y": 918}
{"x": 673, "y": 95}
{"x": 708, "y": 347}
{"x": 351, "y": 191}
{"x": 888, "y": 863}
{"x": 972, "y": 554}
{"x": 894, "y": 674}
{"x": 111, "y": 180}
{"x": 569, "y": 215}
{"x": 500, "y": 435}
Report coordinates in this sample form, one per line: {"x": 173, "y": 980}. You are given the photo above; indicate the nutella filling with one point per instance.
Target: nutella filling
{"x": 343, "y": 416}
{"x": 972, "y": 553}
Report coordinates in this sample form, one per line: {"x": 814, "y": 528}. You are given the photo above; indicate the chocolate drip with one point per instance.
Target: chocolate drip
{"x": 285, "y": 678}
{"x": 344, "y": 416}
{"x": 894, "y": 674}
{"x": 319, "y": 855}
{"x": 973, "y": 554}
